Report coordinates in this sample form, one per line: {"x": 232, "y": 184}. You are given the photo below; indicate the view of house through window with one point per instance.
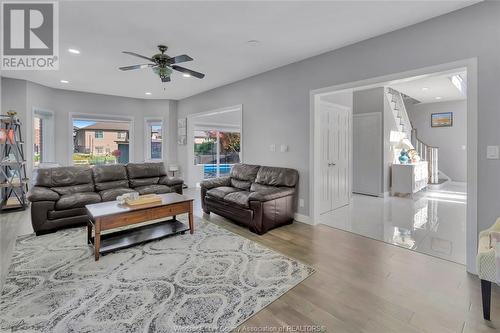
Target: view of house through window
{"x": 100, "y": 142}
{"x": 154, "y": 142}
{"x": 217, "y": 151}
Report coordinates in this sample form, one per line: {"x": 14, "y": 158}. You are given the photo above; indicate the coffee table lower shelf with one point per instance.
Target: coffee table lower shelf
{"x": 126, "y": 238}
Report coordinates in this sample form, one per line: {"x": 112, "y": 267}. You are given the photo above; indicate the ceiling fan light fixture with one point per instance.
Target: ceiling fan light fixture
{"x": 148, "y": 93}
{"x": 162, "y": 71}
{"x": 186, "y": 75}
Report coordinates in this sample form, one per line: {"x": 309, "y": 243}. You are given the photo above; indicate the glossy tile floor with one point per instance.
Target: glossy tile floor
{"x": 432, "y": 222}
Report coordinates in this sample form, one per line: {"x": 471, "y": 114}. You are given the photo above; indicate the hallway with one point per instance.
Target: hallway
{"x": 433, "y": 222}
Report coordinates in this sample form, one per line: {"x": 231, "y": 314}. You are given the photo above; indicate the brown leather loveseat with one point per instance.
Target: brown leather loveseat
{"x": 259, "y": 197}
{"x": 59, "y": 195}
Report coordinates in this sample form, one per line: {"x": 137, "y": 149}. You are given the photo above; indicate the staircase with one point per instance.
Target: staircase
{"x": 426, "y": 152}
{"x": 399, "y": 111}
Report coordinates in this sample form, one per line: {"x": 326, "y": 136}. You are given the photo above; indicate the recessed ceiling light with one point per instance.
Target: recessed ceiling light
{"x": 425, "y": 89}
{"x": 148, "y": 93}
{"x": 253, "y": 42}
{"x": 74, "y": 51}
{"x": 186, "y": 75}
{"x": 64, "y": 81}
{"x": 439, "y": 97}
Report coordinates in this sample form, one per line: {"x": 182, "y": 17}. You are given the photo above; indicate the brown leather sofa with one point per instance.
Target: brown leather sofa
{"x": 59, "y": 195}
{"x": 259, "y": 197}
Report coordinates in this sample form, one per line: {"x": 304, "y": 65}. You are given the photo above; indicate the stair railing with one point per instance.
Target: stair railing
{"x": 427, "y": 153}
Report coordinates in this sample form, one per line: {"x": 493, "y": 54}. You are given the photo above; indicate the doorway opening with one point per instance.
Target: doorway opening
{"x": 412, "y": 179}
{"x": 214, "y": 143}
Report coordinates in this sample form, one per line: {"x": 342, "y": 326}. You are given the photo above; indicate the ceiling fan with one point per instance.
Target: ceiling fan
{"x": 163, "y": 65}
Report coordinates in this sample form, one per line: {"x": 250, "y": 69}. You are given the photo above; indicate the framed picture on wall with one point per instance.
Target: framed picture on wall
{"x": 444, "y": 119}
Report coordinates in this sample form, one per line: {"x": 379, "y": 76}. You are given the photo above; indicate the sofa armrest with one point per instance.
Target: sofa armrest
{"x": 40, "y": 193}
{"x": 271, "y": 194}
{"x": 215, "y": 182}
{"x": 170, "y": 181}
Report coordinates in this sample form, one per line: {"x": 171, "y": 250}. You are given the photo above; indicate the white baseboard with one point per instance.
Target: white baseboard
{"x": 303, "y": 218}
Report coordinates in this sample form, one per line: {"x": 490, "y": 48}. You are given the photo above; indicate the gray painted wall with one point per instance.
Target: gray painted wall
{"x": 276, "y": 103}
{"x": 23, "y": 96}
{"x": 374, "y": 100}
{"x": 452, "y": 157}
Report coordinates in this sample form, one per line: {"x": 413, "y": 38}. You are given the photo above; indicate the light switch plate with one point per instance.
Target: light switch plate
{"x": 272, "y": 147}
{"x": 492, "y": 152}
{"x": 284, "y": 148}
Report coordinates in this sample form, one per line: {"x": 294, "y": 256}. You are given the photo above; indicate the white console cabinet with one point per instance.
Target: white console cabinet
{"x": 409, "y": 178}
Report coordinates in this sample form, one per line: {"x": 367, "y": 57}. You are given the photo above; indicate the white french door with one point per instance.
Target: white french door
{"x": 335, "y": 130}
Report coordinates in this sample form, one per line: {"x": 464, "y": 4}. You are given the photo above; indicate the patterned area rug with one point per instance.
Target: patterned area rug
{"x": 211, "y": 281}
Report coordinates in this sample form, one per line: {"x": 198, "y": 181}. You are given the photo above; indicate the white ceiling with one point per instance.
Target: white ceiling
{"x": 432, "y": 89}
{"x": 215, "y": 35}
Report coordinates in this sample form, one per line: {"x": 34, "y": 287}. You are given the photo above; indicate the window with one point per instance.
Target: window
{"x": 97, "y": 141}
{"x": 154, "y": 139}
{"x": 217, "y": 151}
{"x": 43, "y": 137}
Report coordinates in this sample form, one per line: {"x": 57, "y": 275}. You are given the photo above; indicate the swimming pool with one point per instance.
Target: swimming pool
{"x": 210, "y": 170}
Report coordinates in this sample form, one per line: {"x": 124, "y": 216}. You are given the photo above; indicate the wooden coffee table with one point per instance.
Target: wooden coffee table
{"x": 111, "y": 215}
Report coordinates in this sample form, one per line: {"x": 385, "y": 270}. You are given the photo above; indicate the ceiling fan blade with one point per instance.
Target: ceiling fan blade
{"x": 138, "y": 55}
{"x": 128, "y": 68}
{"x": 179, "y": 59}
{"x": 188, "y": 71}
{"x": 165, "y": 79}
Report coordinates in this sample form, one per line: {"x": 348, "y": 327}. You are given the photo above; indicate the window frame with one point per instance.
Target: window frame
{"x": 148, "y": 123}
{"x": 101, "y": 136}
{"x": 48, "y": 152}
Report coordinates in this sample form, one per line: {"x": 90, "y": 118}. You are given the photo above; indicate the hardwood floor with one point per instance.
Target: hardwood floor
{"x": 360, "y": 284}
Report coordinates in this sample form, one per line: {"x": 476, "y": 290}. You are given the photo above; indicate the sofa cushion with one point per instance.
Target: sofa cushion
{"x": 260, "y": 187}
{"x": 246, "y": 172}
{"x": 271, "y": 194}
{"x": 215, "y": 182}
{"x": 170, "y": 181}
{"x": 111, "y": 185}
{"x": 77, "y": 200}
{"x": 73, "y": 189}
{"x": 143, "y": 181}
{"x": 40, "y": 193}
{"x": 145, "y": 170}
{"x": 277, "y": 176}
{"x": 240, "y": 198}
{"x": 112, "y": 193}
{"x": 153, "y": 189}
{"x": 241, "y": 184}
{"x": 110, "y": 176}
{"x": 108, "y": 173}
{"x": 221, "y": 191}
{"x": 64, "y": 176}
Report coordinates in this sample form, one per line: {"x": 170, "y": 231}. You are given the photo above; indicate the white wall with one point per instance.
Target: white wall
{"x": 450, "y": 140}
{"x": 276, "y": 103}
{"x": 23, "y": 96}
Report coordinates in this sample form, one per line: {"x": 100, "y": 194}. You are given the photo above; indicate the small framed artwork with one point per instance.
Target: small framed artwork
{"x": 444, "y": 119}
